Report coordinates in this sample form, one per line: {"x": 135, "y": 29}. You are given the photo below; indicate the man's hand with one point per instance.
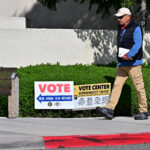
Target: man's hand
{"x": 125, "y": 57}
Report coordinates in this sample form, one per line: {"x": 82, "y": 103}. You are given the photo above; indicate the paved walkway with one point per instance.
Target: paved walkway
{"x": 27, "y": 132}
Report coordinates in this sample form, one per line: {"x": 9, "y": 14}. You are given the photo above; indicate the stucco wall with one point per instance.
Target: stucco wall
{"x": 23, "y": 47}
{"x": 12, "y": 23}
{"x": 74, "y": 35}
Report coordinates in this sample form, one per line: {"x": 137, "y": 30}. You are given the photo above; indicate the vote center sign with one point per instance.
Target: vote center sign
{"x": 91, "y": 96}
{"x": 54, "y": 94}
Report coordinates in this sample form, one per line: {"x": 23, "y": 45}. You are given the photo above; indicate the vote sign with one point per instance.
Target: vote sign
{"x": 54, "y": 94}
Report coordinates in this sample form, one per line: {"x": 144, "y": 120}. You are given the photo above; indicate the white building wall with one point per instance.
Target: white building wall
{"x": 12, "y": 23}
{"x": 23, "y": 47}
{"x": 15, "y": 8}
{"x": 35, "y": 46}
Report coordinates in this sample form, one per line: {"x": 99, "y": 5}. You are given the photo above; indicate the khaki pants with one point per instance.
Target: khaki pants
{"x": 135, "y": 73}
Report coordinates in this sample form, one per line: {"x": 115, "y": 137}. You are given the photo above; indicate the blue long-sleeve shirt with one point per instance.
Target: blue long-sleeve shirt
{"x": 137, "y": 37}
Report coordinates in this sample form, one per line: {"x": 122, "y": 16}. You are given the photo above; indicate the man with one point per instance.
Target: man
{"x": 129, "y": 55}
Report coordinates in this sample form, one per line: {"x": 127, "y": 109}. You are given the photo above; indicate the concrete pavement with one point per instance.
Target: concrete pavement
{"x": 26, "y": 133}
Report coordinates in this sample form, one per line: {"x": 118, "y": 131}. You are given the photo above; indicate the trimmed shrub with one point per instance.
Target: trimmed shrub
{"x": 80, "y": 74}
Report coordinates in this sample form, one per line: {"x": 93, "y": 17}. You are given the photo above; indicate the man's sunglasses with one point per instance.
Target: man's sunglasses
{"x": 120, "y": 17}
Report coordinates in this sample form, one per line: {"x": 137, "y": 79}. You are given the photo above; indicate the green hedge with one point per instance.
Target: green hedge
{"x": 80, "y": 74}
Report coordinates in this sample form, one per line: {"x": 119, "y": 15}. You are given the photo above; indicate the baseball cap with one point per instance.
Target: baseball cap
{"x": 123, "y": 11}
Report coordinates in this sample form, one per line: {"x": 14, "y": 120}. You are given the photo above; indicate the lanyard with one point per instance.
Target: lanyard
{"x": 122, "y": 35}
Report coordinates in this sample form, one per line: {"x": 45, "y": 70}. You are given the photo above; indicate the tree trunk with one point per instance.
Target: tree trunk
{"x": 143, "y": 15}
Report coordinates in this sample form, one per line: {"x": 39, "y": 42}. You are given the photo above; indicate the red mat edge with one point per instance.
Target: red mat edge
{"x": 49, "y": 145}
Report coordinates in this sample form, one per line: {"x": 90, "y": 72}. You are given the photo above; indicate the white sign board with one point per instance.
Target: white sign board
{"x": 90, "y": 102}
{"x": 54, "y": 94}
{"x": 91, "y": 96}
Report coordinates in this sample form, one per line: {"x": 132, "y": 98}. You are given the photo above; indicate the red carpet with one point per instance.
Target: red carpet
{"x": 95, "y": 140}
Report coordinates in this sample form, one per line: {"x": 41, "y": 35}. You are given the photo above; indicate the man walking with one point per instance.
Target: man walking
{"x": 129, "y": 55}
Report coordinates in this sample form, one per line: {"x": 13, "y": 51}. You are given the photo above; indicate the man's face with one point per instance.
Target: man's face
{"x": 124, "y": 20}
